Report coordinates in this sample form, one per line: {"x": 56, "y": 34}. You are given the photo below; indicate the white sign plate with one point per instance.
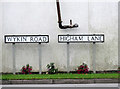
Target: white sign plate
{"x": 26, "y": 38}
{"x": 81, "y": 38}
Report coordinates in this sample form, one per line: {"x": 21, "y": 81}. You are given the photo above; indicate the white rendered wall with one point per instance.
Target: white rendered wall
{"x": 41, "y": 18}
{"x": 0, "y": 37}
{"x": 103, "y": 18}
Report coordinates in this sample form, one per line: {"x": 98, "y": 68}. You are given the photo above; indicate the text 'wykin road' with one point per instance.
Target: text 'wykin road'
{"x": 26, "y": 39}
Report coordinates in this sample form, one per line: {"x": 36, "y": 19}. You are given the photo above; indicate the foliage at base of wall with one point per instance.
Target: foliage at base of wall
{"x": 26, "y": 69}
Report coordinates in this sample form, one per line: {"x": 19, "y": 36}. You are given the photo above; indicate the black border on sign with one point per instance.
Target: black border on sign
{"x": 83, "y": 41}
{"x": 24, "y": 35}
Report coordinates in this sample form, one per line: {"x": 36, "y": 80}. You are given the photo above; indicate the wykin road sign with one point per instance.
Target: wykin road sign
{"x": 26, "y": 38}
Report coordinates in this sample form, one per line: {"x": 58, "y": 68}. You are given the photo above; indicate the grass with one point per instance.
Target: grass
{"x": 58, "y": 76}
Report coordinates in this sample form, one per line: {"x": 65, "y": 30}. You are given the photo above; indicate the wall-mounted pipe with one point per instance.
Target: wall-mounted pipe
{"x": 60, "y": 21}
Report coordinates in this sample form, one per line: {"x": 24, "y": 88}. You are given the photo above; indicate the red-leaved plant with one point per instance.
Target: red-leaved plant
{"x": 27, "y": 69}
{"x": 82, "y": 68}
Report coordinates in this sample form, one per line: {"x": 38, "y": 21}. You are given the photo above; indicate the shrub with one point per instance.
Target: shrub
{"x": 27, "y": 69}
{"x": 82, "y": 68}
{"x": 51, "y": 68}
{"x": 118, "y": 68}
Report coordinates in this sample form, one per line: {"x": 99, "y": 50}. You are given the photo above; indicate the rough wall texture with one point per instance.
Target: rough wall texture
{"x": 103, "y": 18}
{"x": 41, "y": 18}
{"x": 0, "y": 37}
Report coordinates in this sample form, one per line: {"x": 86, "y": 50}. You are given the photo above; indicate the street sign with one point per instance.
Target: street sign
{"x": 81, "y": 38}
{"x": 26, "y": 38}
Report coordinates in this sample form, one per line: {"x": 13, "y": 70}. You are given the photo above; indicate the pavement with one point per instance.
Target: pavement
{"x": 60, "y": 81}
{"x": 64, "y": 85}
{"x": 61, "y": 84}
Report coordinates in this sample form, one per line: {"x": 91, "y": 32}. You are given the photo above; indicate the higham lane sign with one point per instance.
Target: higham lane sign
{"x": 89, "y": 38}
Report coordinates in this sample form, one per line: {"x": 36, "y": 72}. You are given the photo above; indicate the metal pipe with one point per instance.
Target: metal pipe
{"x": 58, "y": 11}
{"x": 40, "y": 58}
{"x": 14, "y": 61}
{"x": 94, "y": 57}
{"x": 60, "y": 21}
{"x": 68, "y": 58}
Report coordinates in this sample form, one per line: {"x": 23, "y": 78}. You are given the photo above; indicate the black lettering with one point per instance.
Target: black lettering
{"x": 92, "y": 38}
{"x": 14, "y": 38}
{"x": 44, "y": 39}
{"x": 76, "y": 39}
{"x": 68, "y": 38}
{"x": 31, "y": 39}
{"x": 100, "y": 38}
{"x": 40, "y": 39}
{"x": 61, "y": 37}
{"x": 35, "y": 39}
{"x": 71, "y": 37}
{"x": 97, "y": 38}
{"x": 64, "y": 37}
{"x": 18, "y": 39}
{"x": 9, "y": 38}
{"x": 88, "y": 38}
{"x": 80, "y": 37}
{"x": 23, "y": 39}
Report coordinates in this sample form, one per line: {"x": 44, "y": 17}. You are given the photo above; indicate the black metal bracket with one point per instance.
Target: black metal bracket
{"x": 60, "y": 21}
